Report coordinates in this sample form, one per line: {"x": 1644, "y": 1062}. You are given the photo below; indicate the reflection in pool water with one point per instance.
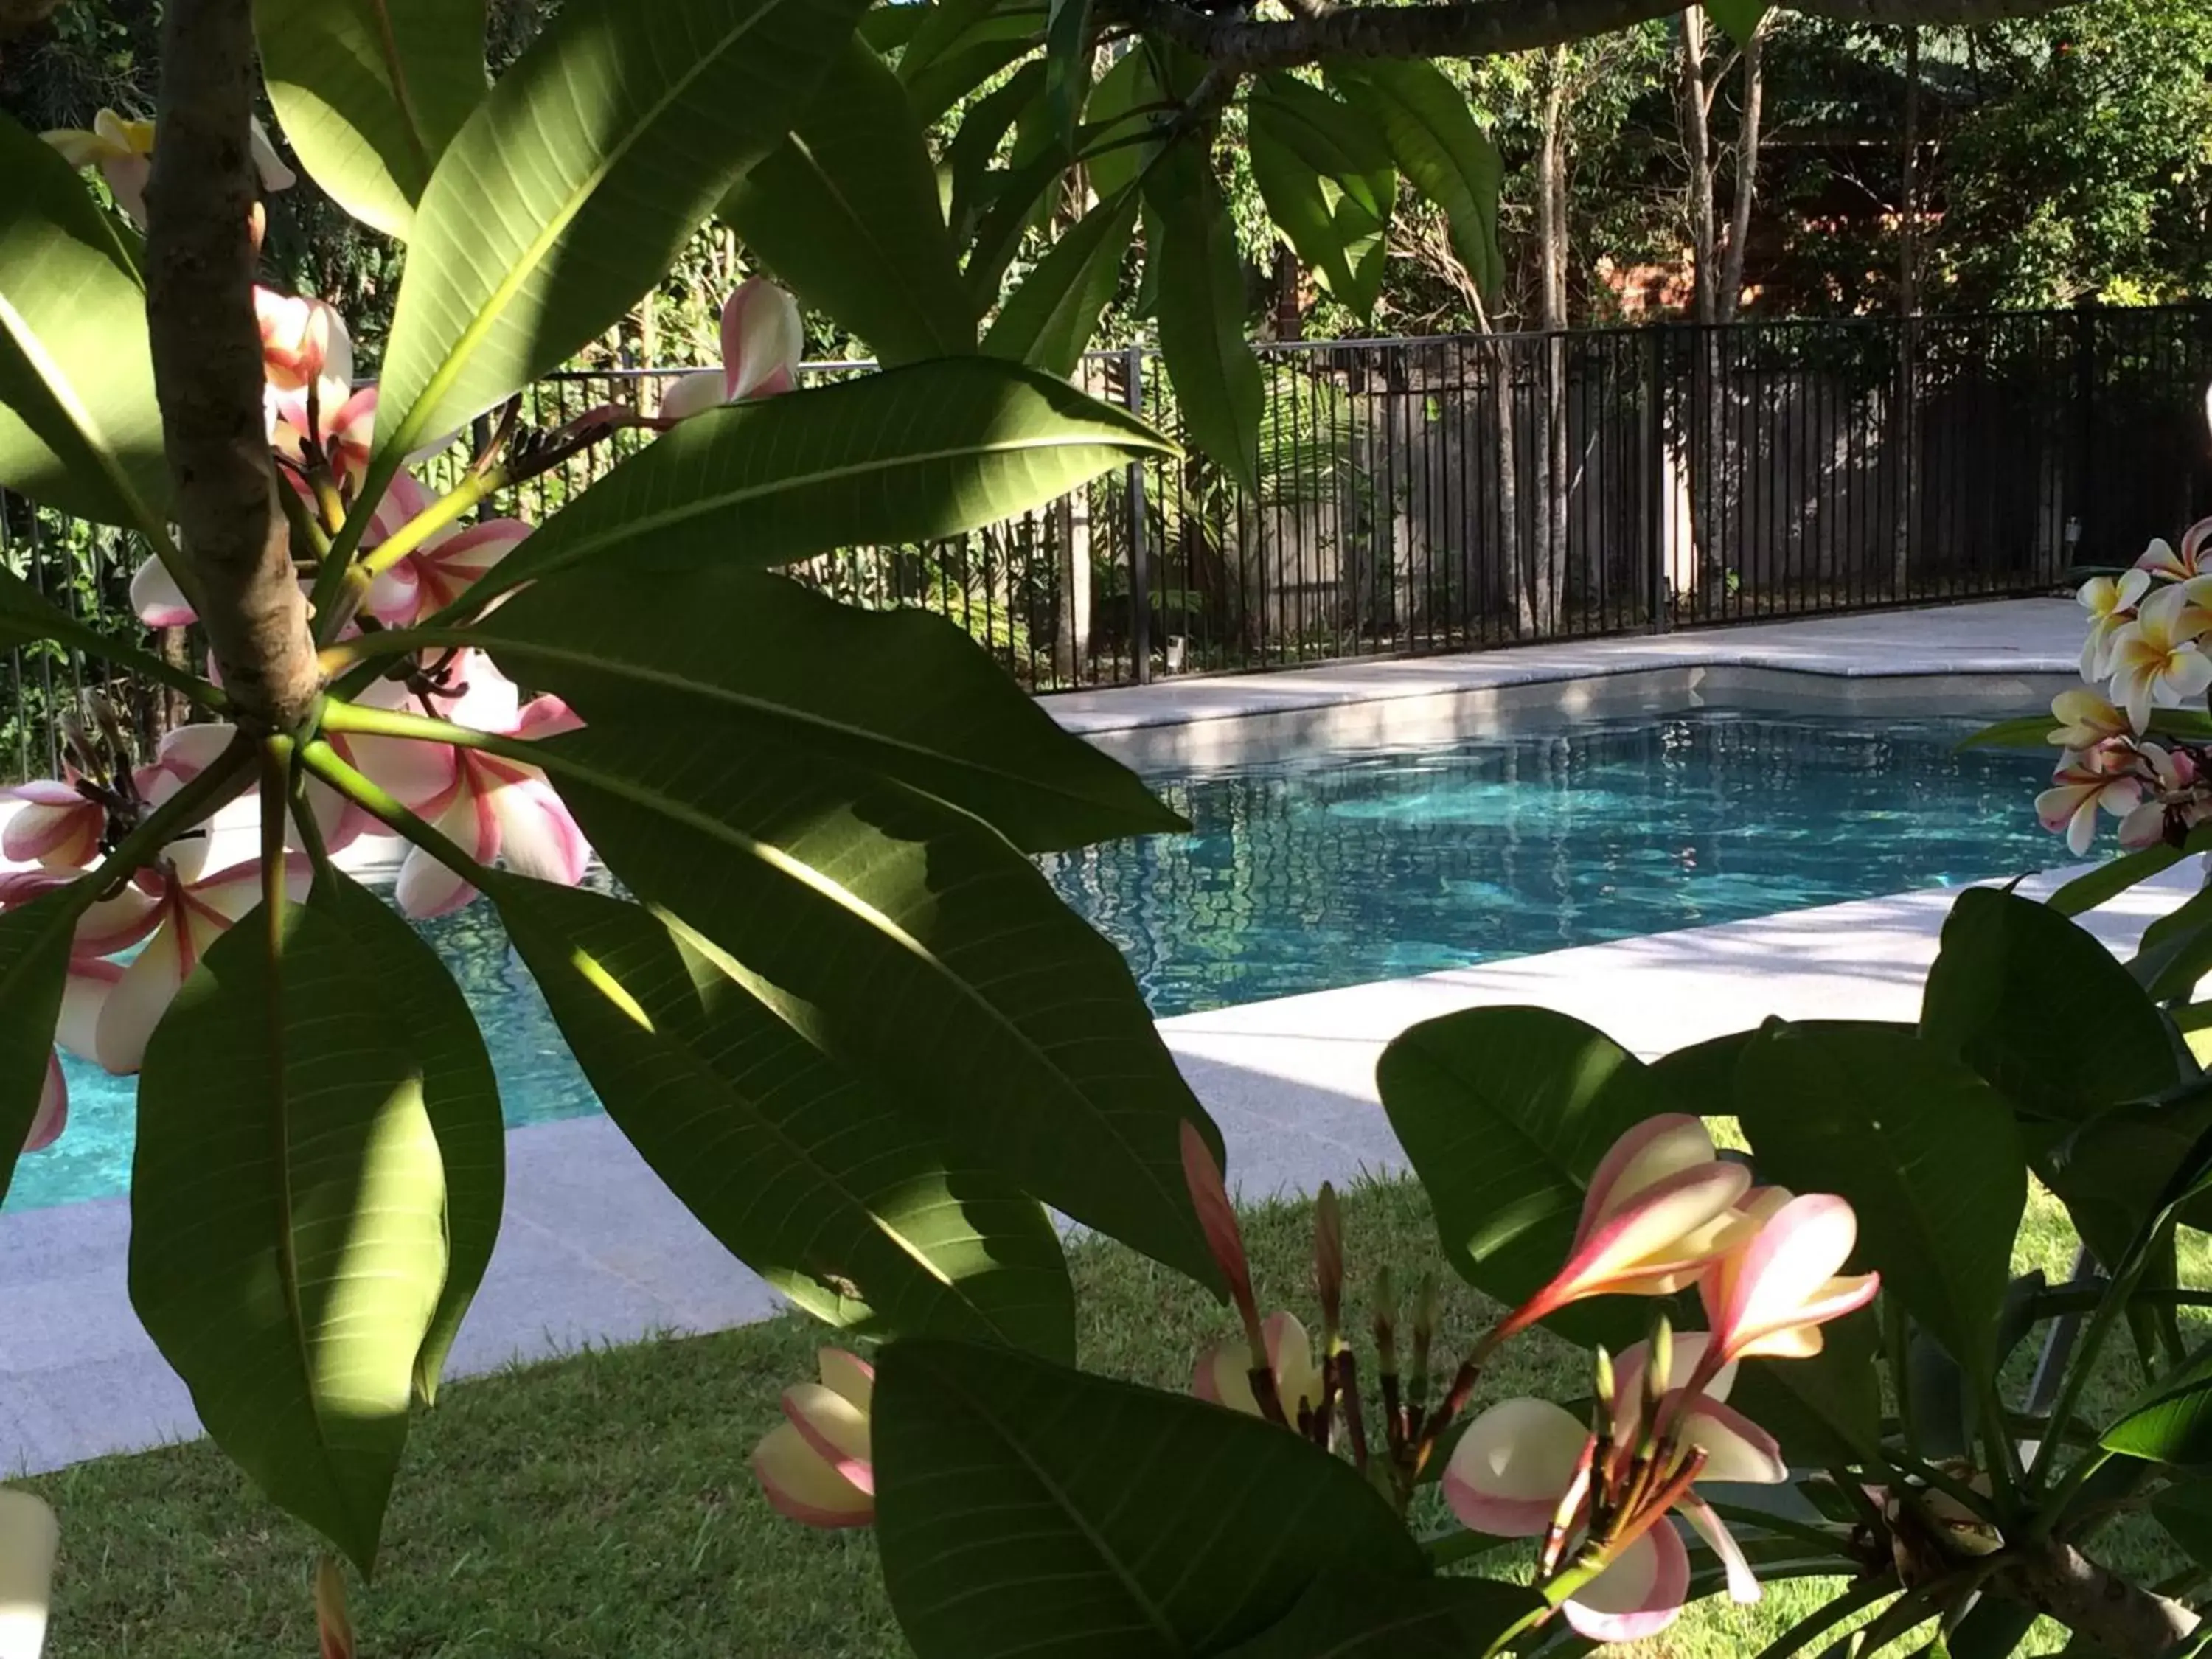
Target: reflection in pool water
{"x": 1342, "y": 869}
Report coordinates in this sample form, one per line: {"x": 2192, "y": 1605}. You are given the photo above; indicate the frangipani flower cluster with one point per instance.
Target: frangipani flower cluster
{"x": 1664, "y": 1213}
{"x": 2145, "y": 650}
{"x": 123, "y": 151}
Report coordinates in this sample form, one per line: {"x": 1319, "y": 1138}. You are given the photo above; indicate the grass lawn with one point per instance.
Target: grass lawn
{"x": 599, "y": 1506}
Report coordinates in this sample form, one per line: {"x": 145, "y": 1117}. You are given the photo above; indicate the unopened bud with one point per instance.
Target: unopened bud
{"x": 1329, "y": 1260}
{"x": 1659, "y": 1370}
{"x": 1386, "y": 1322}
{"x": 331, "y": 1622}
{"x": 1602, "y": 1367}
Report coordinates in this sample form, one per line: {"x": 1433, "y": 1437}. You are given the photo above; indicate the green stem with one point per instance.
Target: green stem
{"x": 2085, "y": 1360}
{"x": 1897, "y": 1341}
{"x": 469, "y": 493}
{"x": 2053, "y": 1510}
{"x": 1556, "y": 1590}
{"x": 2000, "y": 1454}
{"x": 326, "y": 763}
{"x": 330, "y": 577}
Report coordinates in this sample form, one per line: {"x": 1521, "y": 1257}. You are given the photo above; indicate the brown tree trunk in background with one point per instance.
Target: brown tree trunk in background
{"x": 1702, "y": 443}
{"x": 1905, "y": 424}
{"x": 1697, "y": 146}
{"x": 1731, "y": 299}
{"x": 200, "y": 260}
{"x": 1551, "y": 501}
{"x": 1290, "y": 315}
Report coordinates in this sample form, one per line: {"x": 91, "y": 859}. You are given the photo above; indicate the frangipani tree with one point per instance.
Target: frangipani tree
{"x": 837, "y": 1009}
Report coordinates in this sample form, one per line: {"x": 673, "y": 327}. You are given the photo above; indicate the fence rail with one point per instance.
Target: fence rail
{"x": 1458, "y": 493}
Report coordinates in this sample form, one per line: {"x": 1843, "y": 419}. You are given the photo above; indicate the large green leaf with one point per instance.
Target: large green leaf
{"x": 2113, "y": 1174}
{"x": 2171, "y": 1421}
{"x": 846, "y": 210}
{"x": 35, "y": 953}
{"x": 914, "y": 455}
{"x": 980, "y": 50}
{"x": 1352, "y": 1616}
{"x": 1217, "y": 379}
{"x": 1826, "y": 1411}
{"x": 1021, "y": 196}
{"x": 2012, "y": 988}
{"x": 288, "y": 1239}
{"x": 916, "y": 947}
{"x": 370, "y": 93}
{"x": 572, "y": 186}
{"x": 1504, "y": 1113}
{"x": 902, "y": 692}
{"x": 805, "y": 1172}
{"x": 2184, "y": 1509}
{"x": 1122, "y": 106}
{"x": 79, "y": 428}
{"x": 983, "y": 128}
{"x": 941, "y": 25}
{"x": 1741, "y": 18}
{"x": 2176, "y": 951}
{"x": 1325, "y": 174}
{"x": 1925, "y": 1151}
{"x": 1049, "y": 320}
{"x": 460, "y": 1092}
{"x": 1023, "y": 1509}
{"x": 1438, "y": 148}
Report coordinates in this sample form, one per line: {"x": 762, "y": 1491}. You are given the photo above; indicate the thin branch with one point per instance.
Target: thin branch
{"x": 1485, "y": 28}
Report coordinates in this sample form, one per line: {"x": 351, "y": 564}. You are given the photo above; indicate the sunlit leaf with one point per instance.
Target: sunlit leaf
{"x": 35, "y": 951}
{"x": 1439, "y": 149}
{"x": 1202, "y": 312}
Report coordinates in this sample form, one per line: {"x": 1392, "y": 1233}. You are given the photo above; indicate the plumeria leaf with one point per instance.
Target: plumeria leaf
{"x": 916, "y": 947}
{"x": 1504, "y": 1114}
{"x": 980, "y": 51}
{"x": 902, "y": 692}
{"x": 806, "y": 1173}
{"x": 914, "y": 455}
{"x": 1122, "y": 107}
{"x": 1024, "y": 1509}
{"x": 1048, "y": 320}
{"x": 571, "y": 187}
{"x": 2184, "y": 1509}
{"x": 35, "y": 954}
{"x": 2025, "y": 731}
{"x": 846, "y": 211}
{"x": 287, "y": 1215}
{"x": 2014, "y": 990}
{"x": 460, "y": 1093}
{"x": 940, "y": 26}
{"x": 2175, "y": 952}
{"x": 983, "y": 127}
{"x": 1201, "y": 311}
{"x": 1924, "y": 1150}
{"x": 2113, "y": 1174}
{"x": 1018, "y": 203}
{"x": 1326, "y": 178}
{"x": 370, "y": 93}
{"x": 26, "y": 615}
{"x": 2115, "y": 876}
{"x": 79, "y": 428}
{"x": 1741, "y": 18}
{"x": 2171, "y": 1421}
{"x": 1345, "y": 1615}
{"x": 1439, "y": 149}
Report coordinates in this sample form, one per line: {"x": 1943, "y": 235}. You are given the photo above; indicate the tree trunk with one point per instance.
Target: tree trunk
{"x": 1730, "y": 299}
{"x": 1905, "y": 426}
{"x": 1550, "y": 505}
{"x": 1697, "y": 145}
{"x": 207, "y": 374}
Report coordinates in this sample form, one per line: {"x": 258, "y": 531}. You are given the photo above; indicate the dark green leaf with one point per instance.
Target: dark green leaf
{"x": 1941, "y": 1418}
{"x": 2113, "y": 1174}
{"x": 846, "y": 210}
{"x": 288, "y": 1216}
{"x": 2171, "y": 1421}
{"x": 1739, "y": 17}
{"x": 939, "y": 25}
{"x": 983, "y": 129}
{"x": 571, "y": 187}
{"x": 917, "y": 948}
{"x": 1026, "y": 1510}
{"x": 2184, "y": 1509}
{"x": 79, "y": 428}
{"x": 1326, "y": 177}
{"x": 1993, "y": 1629}
{"x": 902, "y": 692}
{"x": 460, "y": 1092}
{"x": 806, "y": 1174}
{"x": 1217, "y": 379}
{"x": 1049, "y": 320}
{"x": 370, "y": 93}
{"x": 1068, "y": 53}
{"x": 35, "y": 954}
{"x": 1826, "y": 1411}
{"x": 1118, "y": 110}
{"x": 1345, "y": 1616}
{"x": 2115, "y": 876}
{"x": 983, "y": 49}
{"x": 1504, "y": 1113}
{"x": 26, "y": 615}
{"x": 920, "y": 453}
{"x": 1701, "y": 1077}
{"x": 2176, "y": 951}
{"x": 2009, "y": 989}
{"x": 1438, "y": 148}
{"x": 2027, "y": 731}
{"x": 1020, "y": 197}
{"x": 1926, "y": 1152}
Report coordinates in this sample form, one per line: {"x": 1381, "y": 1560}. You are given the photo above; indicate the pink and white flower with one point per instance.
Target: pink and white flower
{"x": 30, "y": 1538}
{"x": 2192, "y": 559}
{"x": 2154, "y": 659}
{"x": 1224, "y": 1375}
{"x": 1770, "y": 1298}
{"x": 816, "y": 1466}
{"x": 495, "y": 809}
{"x": 2085, "y": 719}
{"x": 445, "y": 567}
{"x": 1658, "y": 1210}
{"x": 2111, "y": 602}
{"x": 2086, "y": 781}
{"x": 763, "y": 339}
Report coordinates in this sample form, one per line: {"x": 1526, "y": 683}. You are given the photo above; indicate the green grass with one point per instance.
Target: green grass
{"x": 599, "y": 1506}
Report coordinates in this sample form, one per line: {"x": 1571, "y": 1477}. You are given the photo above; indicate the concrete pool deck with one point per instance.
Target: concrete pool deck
{"x": 595, "y": 1250}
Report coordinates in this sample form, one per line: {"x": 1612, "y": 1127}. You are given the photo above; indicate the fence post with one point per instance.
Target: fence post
{"x": 1655, "y": 476}
{"x": 1140, "y": 576}
{"x": 2085, "y": 409}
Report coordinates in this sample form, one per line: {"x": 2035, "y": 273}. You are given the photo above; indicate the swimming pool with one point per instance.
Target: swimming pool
{"x": 1336, "y": 869}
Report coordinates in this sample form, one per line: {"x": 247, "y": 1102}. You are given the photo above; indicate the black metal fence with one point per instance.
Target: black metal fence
{"x": 1461, "y": 493}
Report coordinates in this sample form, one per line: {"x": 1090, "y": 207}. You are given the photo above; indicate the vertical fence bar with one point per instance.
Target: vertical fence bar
{"x": 1140, "y": 578}
{"x": 1656, "y": 506}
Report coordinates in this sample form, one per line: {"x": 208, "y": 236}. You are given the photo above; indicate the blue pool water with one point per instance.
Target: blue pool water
{"x": 1336, "y": 869}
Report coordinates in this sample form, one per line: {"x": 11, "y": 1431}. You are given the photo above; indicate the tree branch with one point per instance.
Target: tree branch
{"x": 2118, "y": 1616}
{"x": 1488, "y": 28}
{"x": 208, "y": 372}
